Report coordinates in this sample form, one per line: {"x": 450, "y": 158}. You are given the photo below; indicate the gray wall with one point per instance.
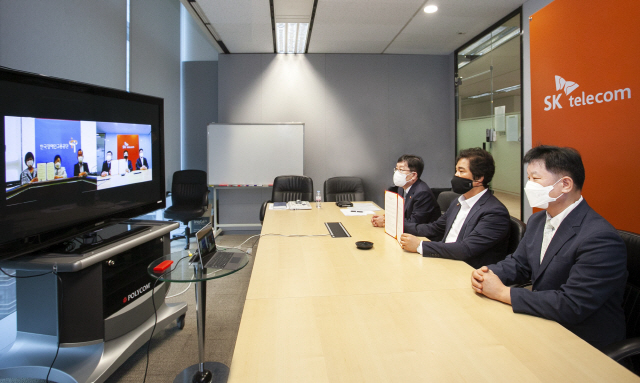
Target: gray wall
{"x": 200, "y": 108}
{"x": 86, "y": 41}
{"x": 361, "y": 112}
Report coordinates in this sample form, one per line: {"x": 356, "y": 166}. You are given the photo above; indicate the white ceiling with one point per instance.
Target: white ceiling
{"x": 356, "y": 26}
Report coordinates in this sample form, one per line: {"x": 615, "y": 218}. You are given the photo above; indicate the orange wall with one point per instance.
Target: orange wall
{"x": 595, "y": 45}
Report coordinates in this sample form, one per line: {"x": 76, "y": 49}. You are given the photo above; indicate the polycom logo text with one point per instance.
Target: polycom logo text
{"x": 553, "y": 102}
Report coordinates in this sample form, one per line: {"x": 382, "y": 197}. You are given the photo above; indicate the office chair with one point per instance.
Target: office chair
{"x": 343, "y": 189}
{"x": 190, "y": 197}
{"x": 445, "y": 198}
{"x": 627, "y": 352}
{"x": 289, "y": 188}
{"x": 516, "y": 232}
{"x": 436, "y": 191}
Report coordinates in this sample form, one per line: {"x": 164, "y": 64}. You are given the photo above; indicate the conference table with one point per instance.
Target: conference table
{"x": 320, "y": 310}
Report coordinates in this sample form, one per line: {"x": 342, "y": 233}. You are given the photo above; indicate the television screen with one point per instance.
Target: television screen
{"x": 76, "y": 156}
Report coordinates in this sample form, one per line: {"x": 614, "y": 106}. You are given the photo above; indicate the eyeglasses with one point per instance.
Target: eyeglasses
{"x": 402, "y": 170}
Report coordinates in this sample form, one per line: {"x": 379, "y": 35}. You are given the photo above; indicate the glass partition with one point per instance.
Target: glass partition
{"x": 488, "y": 105}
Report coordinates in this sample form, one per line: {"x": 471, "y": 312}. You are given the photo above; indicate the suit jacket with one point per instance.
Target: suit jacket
{"x": 581, "y": 280}
{"x": 140, "y": 164}
{"x": 483, "y": 237}
{"x": 420, "y": 204}
{"x": 106, "y": 166}
{"x": 77, "y": 171}
{"x": 129, "y": 165}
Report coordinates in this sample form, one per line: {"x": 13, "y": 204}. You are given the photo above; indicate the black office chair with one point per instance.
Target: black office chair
{"x": 436, "y": 191}
{"x": 516, "y": 232}
{"x": 289, "y": 188}
{"x": 343, "y": 189}
{"x": 627, "y": 352}
{"x": 445, "y": 198}
{"x": 190, "y": 197}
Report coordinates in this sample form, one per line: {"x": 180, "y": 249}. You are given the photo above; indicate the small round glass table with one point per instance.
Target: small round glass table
{"x": 184, "y": 271}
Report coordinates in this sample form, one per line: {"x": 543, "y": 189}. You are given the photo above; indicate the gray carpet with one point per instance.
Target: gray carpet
{"x": 173, "y": 350}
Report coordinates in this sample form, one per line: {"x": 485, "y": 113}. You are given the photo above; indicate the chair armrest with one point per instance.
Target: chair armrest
{"x": 623, "y": 349}
{"x": 263, "y": 209}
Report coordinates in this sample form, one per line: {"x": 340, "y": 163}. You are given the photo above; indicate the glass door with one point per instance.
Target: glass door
{"x": 488, "y": 105}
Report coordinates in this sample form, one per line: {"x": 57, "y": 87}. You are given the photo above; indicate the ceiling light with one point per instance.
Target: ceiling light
{"x": 430, "y": 8}
{"x": 291, "y": 37}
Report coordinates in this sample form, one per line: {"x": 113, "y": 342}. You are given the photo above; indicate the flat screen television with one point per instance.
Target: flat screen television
{"x": 76, "y": 157}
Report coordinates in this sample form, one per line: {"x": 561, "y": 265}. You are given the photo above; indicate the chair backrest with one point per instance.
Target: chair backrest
{"x": 445, "y": 198}
{"x": 516, "y": 232}
{"x": 343, "y": 189}
{"x": 292, "y": 188}
{"x": 631, "y": 300}
{"x": 189, "y": 188}
{"x": 436, "y": 191}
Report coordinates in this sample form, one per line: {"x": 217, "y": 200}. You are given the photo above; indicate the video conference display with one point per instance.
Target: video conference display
{"x": 77, "y": 157}
{"x": 101, "y": 154}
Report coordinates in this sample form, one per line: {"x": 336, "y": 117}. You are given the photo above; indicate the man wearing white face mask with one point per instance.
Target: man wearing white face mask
{"x": 420, "y": 204}
{"x": 575, "y": 260}
{"x": 106, "y": 165}
{"x": 60, "y": 171}
{"x": 30, "y": 174}
{"x": 141, "y": 163}
{"x": 81, "y": 169}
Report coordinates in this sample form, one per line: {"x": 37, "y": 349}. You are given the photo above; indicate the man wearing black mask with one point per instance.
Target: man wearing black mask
{"x": 475, "y": 227}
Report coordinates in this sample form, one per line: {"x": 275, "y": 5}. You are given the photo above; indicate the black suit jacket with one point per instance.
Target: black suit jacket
{"x": 141, "y": 164}
{"x": 483, "y": 237}
{"x": 129, "y": 165}
{"x": 77, "y": 171}
{"x": 106, "y": 166}
{"x": 420, "y": 204}
{"x": 581, "y": 280}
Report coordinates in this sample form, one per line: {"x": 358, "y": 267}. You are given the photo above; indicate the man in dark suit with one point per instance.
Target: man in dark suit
{"x": 420, "y": 204}
{"x": 141, "y": 163}
{"x": 81, "y": 169}
{"x": 575, "y": 259}
{"x": 106, "y": 165}
{"x": 475, "y": 227}
{"x": 125, "y": 154}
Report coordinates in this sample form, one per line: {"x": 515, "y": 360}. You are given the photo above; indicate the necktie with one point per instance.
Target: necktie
{"x": 546, "y": 238}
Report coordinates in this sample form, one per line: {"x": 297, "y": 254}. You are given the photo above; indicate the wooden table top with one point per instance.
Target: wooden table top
{"x": 320, "y": 310}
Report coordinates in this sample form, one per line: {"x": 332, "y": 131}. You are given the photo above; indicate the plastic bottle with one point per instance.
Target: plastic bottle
{"x": 318, "y": 199}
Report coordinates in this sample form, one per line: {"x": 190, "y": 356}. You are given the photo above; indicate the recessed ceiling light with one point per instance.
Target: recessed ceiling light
{"x": 430, "y": 8}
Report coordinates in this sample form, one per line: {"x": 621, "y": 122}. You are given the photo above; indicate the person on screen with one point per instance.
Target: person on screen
{"x": 575, "y": 259}
{"x": 106, "y": 165}
{"x": 126, "y": 157}
{"x": 30, "y": 174}
{"x": 81, "y": 169}
{"x": 475, "y": 227}
{"x": 420, "y": 204}
{"x": 60, "y": 172}
{"x": 142, "y": 164}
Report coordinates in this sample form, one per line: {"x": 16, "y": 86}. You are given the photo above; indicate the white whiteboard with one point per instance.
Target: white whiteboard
{"x": 253, "y": 154}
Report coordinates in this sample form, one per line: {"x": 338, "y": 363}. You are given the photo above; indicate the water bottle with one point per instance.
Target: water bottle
{"x": 318, "y": 199}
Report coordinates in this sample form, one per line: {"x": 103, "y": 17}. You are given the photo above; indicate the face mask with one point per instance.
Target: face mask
{"x": 109, "y": 157}
{"x": 126, "y": 157}
{"x": 80, "y": 159}
{"x": 538, "y": 195}
{"x": 461, "y": 185}
{"x": 57, "y": 165}
{"x": 399, "y": 179}
{"x": 30, "y": 163}
{"x": 141, "y": 153}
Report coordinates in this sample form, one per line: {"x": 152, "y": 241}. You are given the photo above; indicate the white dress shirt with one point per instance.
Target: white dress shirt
{"x": 555, "y": 223}
{"x": 465, "y": 208}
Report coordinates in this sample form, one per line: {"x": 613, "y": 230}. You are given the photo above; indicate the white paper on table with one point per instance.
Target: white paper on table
{"x": 365, "y": 206}
{"x": 391, "y": 213}
{"x": 350, "y": 212}
{"x": 114, "y": 168}
{"x": 42, "y": 171}
{"x": 400, "y": 219}
{"x": 51, "y": 170}
{"x": 122, "y": 165}
{"x": 512, "y": 128}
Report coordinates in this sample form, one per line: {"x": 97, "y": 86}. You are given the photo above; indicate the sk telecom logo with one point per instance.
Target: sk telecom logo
{"x": 73, "y": 144}
{"x": 553, "y": 102}
{"x": 127, "y": 146}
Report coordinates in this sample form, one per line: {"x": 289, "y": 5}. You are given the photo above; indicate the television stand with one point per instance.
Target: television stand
{"x": 98, "y": 308}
